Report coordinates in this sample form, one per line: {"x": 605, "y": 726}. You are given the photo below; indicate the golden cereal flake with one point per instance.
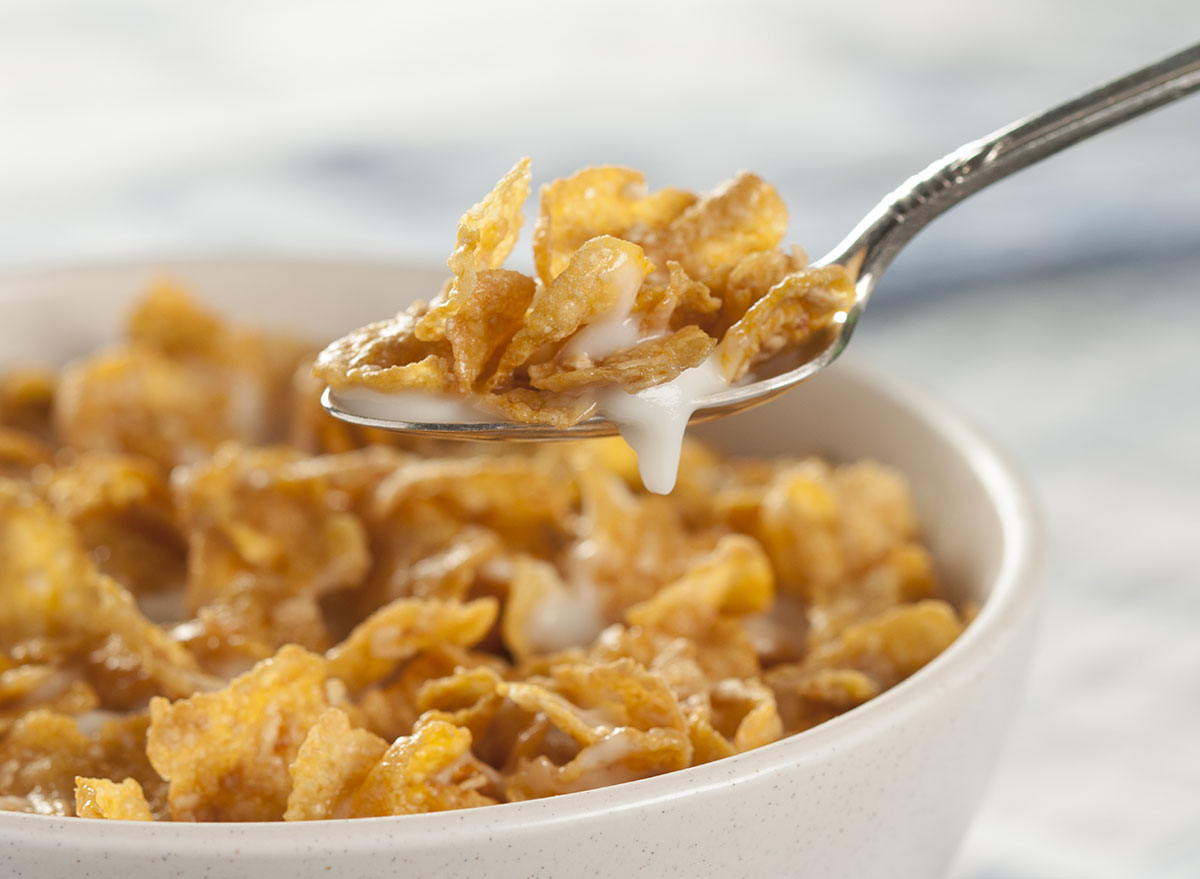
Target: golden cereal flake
{"x": 169, "y": 319}
{"x": 602, "y": 273}
{"x": 21, "y": 454}
{"x": 679, "y": 303}
{"x": 904, "y": 574}
{"x": 445, "y": 570}
{"x": 457, "y": 686}
{"x": 27, "y": 401}
{"x": 226, "y": 754}
{"x": 823, "y": 526}
{"x": 606, "y": 200}
{"x": 734, "y": 579}
{"x": 39, "y": 759}
{"x": 543, "y": 614}
{"x": 745, "y": 712}
{"x": 431, "y": 770}
{"x": 792, "y": 312}
{"x": 806, "y": 697}
{"x": 628, "y": 723}
{"x": 485, "y": 322}
{"x": 530, "y": 406}
{"x": 507, "y": 493}
{"x": 121, "y": 508}
{"x": 62, "y": 690}
{"x": 403, "y": 628}
{"x": 892, "y": 645}
{"x": 104, "y": 798}
{"x": 330, "y": 766}
{"x": 386, "y": 356}
{"x": 753, "y": 277}
{"x": 743, "y": 216}
{"x": 44, "y": 752}
{"x": 486, "y": 235}
{"x": 632, "y": 542}
{"x": 264, "y": 514}
{"x": 649, "y": 363}
{"x": 50, "y": 589}
{"x": 140, "y": 401}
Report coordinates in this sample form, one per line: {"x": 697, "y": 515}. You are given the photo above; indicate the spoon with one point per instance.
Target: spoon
{"x": 870, "y": 248}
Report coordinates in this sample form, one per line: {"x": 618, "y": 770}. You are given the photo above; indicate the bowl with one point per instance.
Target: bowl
{"x": 886, "y": 789}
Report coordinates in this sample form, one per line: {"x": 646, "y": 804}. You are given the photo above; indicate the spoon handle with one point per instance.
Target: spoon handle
{"x": 925, "y": 196}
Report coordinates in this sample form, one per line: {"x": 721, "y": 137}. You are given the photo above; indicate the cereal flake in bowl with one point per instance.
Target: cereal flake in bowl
{"x": 712, "y": 649}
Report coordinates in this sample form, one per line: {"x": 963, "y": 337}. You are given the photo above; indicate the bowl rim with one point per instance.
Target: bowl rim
{"x": 1011, "y": 599}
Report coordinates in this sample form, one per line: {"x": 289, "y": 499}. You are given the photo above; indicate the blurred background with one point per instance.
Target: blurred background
{"x": 1059, "y": 311}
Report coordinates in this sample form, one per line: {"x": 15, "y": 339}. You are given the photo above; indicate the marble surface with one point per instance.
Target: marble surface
{"x": 1059, "y": 311}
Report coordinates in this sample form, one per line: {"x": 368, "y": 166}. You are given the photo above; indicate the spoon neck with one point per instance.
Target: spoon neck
{"x": 879, "y": 237}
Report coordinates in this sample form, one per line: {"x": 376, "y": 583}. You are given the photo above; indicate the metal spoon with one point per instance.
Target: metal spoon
{"x": 874, "y": 242}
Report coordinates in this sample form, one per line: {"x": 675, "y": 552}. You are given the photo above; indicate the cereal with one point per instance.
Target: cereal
{"x": 22, "y": 453}
{"x": 486, "y": 235}
{"x": 626, "y": 722}
{"x": 226, "y": 754}
{"x": 52, "y": 596}
{"x": 485, "y": 323}
{"x": 431, "y": 770}
{"x": 791, "y": 312}
{"x": 121, "y": 507}
{"x": 632, "y": 290}
{"x": 679, "y": 303}
{"x": 104, "y": 798}
{"x": 734, "y": 579}
{"x": 27, "y": 402}
{"x": 601, "y": 274}
{"x": 44, "y": 753}
{"x": 332, "y": 763}
{"x": 387, "y": 357}
{"x": 597, "y": 201}
{"x": 744, "y": 216}
{"x": 25, "y": 687}
{"x": 401, "y": 629}
{"x": 199, "y": 623}
{"x": 171, "y": 398}
{"x": 649, "y": 363}
{"x": 261, "y": 516}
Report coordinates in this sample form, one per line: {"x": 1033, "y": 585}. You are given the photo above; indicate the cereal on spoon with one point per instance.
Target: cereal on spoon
{"x": 633, "y": 290}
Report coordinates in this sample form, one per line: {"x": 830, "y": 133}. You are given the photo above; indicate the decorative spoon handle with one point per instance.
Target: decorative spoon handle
{"x": 923, "y": 197}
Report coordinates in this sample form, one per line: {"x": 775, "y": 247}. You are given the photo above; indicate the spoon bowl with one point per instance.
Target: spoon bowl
{"x": 871, "y": 246}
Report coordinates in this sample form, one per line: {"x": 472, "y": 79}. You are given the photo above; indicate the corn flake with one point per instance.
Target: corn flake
{"x": 602, "y": 273}
{"x": 597, "y": 201}
{"x": 486, "y": 235}
{"x": 104, "y": 798}
{"x": 226, "y": 754}
{"x": 403, "y": 628}
{"x": 21, "y": 454}
{"x": 27, "y": 401}
{"x": 431, "y": 770}
{"x": 485, "y": 322}
{"x": 744, "y": 216}
{"x": 330, "y": 766}
{"x": 791, "y": 312}
{"x": 386, "y": 356}
{"x": 649, "y": 363}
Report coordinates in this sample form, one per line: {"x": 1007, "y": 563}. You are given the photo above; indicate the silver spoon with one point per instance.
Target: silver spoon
{"x": 875, "y": 241}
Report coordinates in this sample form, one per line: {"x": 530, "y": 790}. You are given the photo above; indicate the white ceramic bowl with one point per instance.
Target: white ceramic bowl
{"x": 886, "y": 790}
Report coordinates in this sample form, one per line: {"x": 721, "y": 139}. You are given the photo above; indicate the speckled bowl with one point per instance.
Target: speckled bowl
{"x": 885, "y": 790}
